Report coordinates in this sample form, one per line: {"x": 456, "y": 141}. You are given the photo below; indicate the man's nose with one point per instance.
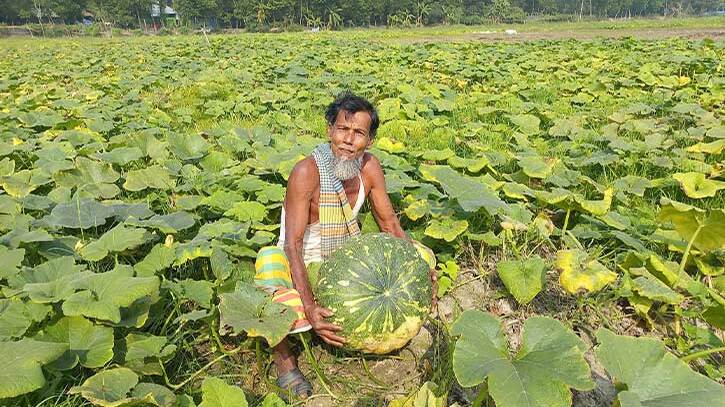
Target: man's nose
{"x": 349, "y": 137}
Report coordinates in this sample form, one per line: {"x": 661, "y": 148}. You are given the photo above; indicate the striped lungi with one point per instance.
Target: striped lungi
{"x": 273, "y": 276}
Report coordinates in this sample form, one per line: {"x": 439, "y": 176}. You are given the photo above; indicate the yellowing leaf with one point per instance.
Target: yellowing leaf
{"x": 697, "y": 186}
{"x": 577, "y": 272}
{"x": 447, "y": 229}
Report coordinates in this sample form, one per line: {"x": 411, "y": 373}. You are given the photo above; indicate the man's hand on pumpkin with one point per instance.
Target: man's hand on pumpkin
{"x": 327, "y": 331}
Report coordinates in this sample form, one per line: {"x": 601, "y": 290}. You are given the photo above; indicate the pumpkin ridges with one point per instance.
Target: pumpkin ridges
{"x": 379, "y": 289}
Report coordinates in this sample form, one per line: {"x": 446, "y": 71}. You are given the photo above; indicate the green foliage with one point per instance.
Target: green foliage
{"x": 641, "y": 363}
{"x": 139, "y": 177}
{"x": 549, "y": 362}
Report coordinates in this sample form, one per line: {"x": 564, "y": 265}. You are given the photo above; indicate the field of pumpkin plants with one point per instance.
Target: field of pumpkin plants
{"x": 579, "y": 183}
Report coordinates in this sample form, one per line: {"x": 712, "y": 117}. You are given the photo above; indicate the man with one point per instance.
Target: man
{"x": 325, "y": 192}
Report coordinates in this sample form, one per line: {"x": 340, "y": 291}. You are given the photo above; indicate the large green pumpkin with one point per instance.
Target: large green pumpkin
{"x": 379, "y": 290}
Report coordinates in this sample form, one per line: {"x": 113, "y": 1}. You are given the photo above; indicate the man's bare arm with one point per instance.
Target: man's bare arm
{"x": 382, "y": 208}
{"x": 302, "y": 184}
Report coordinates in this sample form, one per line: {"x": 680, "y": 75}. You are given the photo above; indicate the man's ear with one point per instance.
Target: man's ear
{"x": 329, "y": 131}
{"x": 370, "y": 142}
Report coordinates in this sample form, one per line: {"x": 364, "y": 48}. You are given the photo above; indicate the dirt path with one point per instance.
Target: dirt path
{"x": 579, "y": 34}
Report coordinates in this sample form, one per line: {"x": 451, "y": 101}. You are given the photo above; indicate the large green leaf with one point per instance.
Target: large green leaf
{"x": 17, "y": 316}
{"x": 159, "y": 257}
{"x": 250, "y": 310}
{"x": 51, "y": 281}
{"x": 247, "y": 211}
{"x": 116, "y": 240}
{"x": 12, "y": 258}
{"x": 579, "y": 272}
{"x": 526, "y": 123}
{"x": 653, "y": 376}
{"x": 79, "y": 214}
{"x": 523, "y": 278}
{"x": 21, "y": 365}
{"x": 549, "y": 361}
{"x": 154, "y": 177}
{"x": 188, "y": 146}
{"x": 470, "y": 193}
{"x": 100, "y": 296}
{"x": 144, "y": 353}
{"x": 119, "y": 387}
{"x": 88, "y": 344}
{"x": 171, "y": 223}
{"x": 217, "y": 393}
{"x": 535, "y": 166}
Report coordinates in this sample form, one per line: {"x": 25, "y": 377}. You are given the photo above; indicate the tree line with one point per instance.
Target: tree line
{"x": 332, "y": 14}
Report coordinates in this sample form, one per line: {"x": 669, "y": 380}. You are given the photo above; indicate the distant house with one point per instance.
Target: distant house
{"x": 167, "y": 14}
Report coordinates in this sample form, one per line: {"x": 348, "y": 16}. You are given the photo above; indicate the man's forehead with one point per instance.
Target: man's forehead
{"x": 360, "y": 118}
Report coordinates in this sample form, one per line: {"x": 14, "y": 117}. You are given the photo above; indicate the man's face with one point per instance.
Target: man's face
{"x": 349, "y": 138}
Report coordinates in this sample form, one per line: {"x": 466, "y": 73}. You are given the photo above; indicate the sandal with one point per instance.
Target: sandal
{"x": 294, "y": 382}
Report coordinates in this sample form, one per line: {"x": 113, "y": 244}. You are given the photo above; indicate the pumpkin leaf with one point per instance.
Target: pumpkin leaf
{"x": 526, "y": 123}
{"x": 578, "y": 272}
{"x": 247, "y": 211}
{"x": 88, "y": 344}
{"x": 119, "y": 387}
{"x": 549, "y": 362}
{"x": 697, "y": 186}
{"x": 99, "y": 296}
{"x": 641, "y": 363}
{"x": 116, "y": 240}
{"x": 470, "y": 193}
{"x": 523, "y": 278}
{"x": 446, "y": 228}
{"x": 22, "y": 361}
{"x": 535, "y": 167}
{"x": 425, "y": 396}
{"x": 152, "y": 177}
{"x": 249, "y": 310}
{"x": 691, "y": 222}
{"x": 81, "y": 213}
{"x": 216, "y": 393}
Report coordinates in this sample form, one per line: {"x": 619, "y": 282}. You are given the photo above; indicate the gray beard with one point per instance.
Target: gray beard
{"x": 345, "y": 168}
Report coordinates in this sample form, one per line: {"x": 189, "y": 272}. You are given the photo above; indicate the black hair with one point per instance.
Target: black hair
{"x": 352, "y": 103}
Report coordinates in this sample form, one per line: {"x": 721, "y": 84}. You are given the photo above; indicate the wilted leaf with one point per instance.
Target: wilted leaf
{"x": 424, "y": 397}
{"x": 578, "y": 272}
{"x": 696, "y": 185}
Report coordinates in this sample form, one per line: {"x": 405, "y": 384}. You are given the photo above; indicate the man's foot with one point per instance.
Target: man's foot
{"x": 294, "y": 382}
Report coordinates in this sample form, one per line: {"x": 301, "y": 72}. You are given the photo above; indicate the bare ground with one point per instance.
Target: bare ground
{"x": 579, "y": 34}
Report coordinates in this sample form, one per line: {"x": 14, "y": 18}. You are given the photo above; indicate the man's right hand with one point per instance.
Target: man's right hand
{"x": 327, "y": 331}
